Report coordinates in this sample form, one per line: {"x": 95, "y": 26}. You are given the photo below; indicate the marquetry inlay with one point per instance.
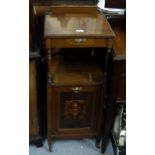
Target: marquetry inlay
{"x": 75, "y": 109}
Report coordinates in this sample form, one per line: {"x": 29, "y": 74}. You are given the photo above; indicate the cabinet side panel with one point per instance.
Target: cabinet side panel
{"x": 33, "y": 121}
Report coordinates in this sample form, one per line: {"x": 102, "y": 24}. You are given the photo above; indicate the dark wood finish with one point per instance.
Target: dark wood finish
{"x": 62, "y": 25}
{"x": 75, "y": 68}
{"x": 117, "y": 82}
{"x": 37, "y": 140}
{"x": 73, "y": 112}
{"x": 121, "y": 96}
{"x": 111, "y": 105}
{"x": 42, "y": 9}
{"x": 35, "y": 128}
{"x": 115, "y": 3}
{"x": 118, "y": 60}
{"x": 78, "y": 42}
{"x": 108, "y": 3}
{"x": 73, "y": 24}
{"x": 66, "y": 2}
{"x": 75, "y": 97}
{"x": 32, "y": 29}
{"x": 75, "y": 86}
{"x": 120, "y": 55}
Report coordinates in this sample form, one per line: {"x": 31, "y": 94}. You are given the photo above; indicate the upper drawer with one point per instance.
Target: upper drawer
{"x": 78, "y": 42}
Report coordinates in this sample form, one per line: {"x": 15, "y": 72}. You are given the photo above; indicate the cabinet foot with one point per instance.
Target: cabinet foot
{"x": 39, "y": 144}
{"x": 37, "y": 141}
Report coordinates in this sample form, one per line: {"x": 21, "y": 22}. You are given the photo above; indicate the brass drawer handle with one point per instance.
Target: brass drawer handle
{"x": 79, "y": 40}
{"x": 76, "y": 89}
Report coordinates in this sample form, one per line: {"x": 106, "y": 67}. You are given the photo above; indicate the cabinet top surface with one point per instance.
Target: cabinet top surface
{"x": 76, "y": 24}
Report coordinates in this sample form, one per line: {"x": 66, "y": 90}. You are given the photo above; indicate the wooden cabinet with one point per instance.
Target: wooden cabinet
{"x": 35, "y": 129}
{"x": 76, "y": 83}
{"x": 71, "y": 96}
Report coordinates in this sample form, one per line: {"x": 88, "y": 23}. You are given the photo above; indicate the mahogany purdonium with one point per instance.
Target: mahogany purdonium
{"x": 75, "y": 85}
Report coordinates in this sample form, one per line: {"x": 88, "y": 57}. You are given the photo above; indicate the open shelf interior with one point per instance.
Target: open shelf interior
{"x": 74, "y": 66}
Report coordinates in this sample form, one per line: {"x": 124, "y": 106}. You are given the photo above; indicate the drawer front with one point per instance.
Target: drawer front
{"x": 78, "y": 42}
{"x": 76, "y": 108}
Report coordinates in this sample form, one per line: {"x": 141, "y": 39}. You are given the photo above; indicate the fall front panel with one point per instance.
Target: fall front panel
{"x": 76, "y": 109}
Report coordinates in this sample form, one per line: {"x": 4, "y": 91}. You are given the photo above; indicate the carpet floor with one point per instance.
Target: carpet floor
{"x": 70, "y": 147}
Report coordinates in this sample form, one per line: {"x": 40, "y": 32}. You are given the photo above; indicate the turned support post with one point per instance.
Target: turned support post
{"x": 49, "y": 75}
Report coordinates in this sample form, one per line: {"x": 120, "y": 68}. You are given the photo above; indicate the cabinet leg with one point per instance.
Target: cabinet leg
{"x": 97, "y": 145}
{"x": 39, "y": 144}
{"x": 49, "y": 144}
